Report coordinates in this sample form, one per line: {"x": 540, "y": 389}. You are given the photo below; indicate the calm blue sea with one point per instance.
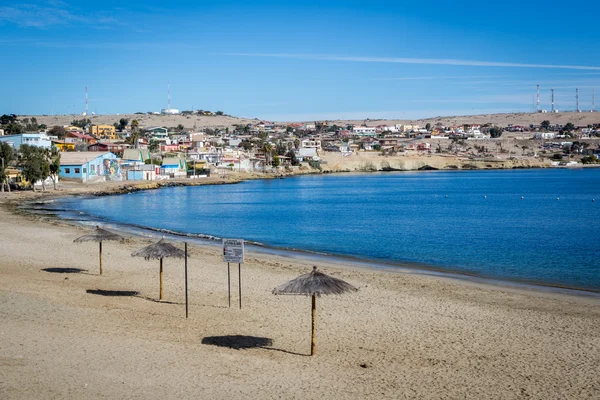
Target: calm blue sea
{"x": 529, "y": 225}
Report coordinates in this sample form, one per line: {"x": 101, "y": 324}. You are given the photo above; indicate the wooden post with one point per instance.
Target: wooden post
{"x": 313, "y": 342}
{"x": 100, "y": 258}
{"x": 229, "y": 284}
{"x": 161, "y": 279}
{"x": 240, "y": 283}
{"x": 186, "y": 282}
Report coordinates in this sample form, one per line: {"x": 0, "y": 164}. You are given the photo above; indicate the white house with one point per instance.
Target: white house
{"x": 311, "y": 144}
{"x": 364, "y": 130}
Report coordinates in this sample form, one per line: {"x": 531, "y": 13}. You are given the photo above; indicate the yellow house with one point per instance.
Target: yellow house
{"x": 63, "y": 146}
{"x": 103, "y": 131}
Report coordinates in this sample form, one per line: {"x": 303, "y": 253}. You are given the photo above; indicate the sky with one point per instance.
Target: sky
{"x": 298, "y": 60}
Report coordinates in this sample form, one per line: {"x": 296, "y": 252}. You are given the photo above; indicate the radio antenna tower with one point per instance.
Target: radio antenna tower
{"x": 593, "y": 99}
{"x": 169, "y": 96}
{"x": 86, "y": 101}
{"x": 577, "y": 98}
{"x": 552, "y": 90}
{"x": 538, "y": 98}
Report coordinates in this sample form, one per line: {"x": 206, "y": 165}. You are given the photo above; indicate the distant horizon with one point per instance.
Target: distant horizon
{"x": 300, "y": 60}
{"x": 516, "y": 114}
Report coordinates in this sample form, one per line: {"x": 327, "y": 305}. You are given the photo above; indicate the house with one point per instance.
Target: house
{"x": 32, "y": 139}
{"x": 173, "y": 167}
{"x": 79, "y": 138}
{"x": 89, "y": 166}
{"x": 311, "y": 144}
{"x": 307, "y": 153}
{"x": 103, "y": 131}
{"x": 116, "y": 148}
{"x": 135, "y": 156}
{"x": 62, "y": 145}
{"x": 423, "y": 146}
{"x": 142, "y": 173}
{"x": 158, "y": 133}
{"x": 365, "y": 131}
{"x": 169, "y": 148}
{"x": 369, "y": 143}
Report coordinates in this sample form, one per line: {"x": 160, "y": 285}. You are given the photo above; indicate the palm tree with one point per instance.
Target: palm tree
{"x": 135, "y": 135}
{"x": 267, "y": 148}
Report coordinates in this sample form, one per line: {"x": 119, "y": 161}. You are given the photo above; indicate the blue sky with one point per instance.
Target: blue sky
{"x": 298, "y": 60}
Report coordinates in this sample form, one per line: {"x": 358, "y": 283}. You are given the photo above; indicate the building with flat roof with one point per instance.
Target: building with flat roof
{"x": 32, "y": 139}
{"x": 88, "y": 166}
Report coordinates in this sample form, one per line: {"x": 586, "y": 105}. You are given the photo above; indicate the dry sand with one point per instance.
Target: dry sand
{"x": 401, "y": 336}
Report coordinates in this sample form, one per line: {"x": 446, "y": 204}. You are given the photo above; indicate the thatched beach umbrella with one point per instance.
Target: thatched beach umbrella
{"x": 314, "y": 284}
{"x": 100, "y": 235}
{"x": 158, "y": 251}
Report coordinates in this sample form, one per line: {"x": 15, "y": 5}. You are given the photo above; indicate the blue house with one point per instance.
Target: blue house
{"x": 32, "y": 139}
{"x": 90, "y": 166}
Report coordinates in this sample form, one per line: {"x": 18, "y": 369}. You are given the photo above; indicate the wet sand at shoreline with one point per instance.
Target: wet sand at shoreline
{"x": 80, "y": 335}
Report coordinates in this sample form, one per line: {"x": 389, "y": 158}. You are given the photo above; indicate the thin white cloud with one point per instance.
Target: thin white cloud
{"x": 427, "y": 61}
{"x": 50, "y": 13}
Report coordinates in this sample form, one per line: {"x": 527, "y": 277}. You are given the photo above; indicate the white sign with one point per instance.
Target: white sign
{"x": 233, "y": 251}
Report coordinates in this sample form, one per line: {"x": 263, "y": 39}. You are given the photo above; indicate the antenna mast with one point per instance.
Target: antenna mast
{"x": 552, "y": 90}
{"x": 577, "y": 98}
{"x": 169, "y": 96}
{"x": 86, "y": 101}
{"x": 538, "y": 98}
{"x": 593, "y": 99}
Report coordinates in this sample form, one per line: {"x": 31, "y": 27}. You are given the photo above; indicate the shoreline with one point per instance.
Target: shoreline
{"x": 69, "y": 333}
{"x": 328, "y": 258}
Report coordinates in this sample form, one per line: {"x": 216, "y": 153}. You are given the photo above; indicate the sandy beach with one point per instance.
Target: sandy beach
{"x": 402, "y": 335}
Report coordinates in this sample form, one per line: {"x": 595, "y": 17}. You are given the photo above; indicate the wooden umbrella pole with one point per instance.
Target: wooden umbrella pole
{"x": 100, "y": 258}
{"x": 313, "y": 342}
{"x": 160, "y": 296}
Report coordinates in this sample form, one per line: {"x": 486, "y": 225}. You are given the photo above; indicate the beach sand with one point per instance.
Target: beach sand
{"x": 402, "y": 335}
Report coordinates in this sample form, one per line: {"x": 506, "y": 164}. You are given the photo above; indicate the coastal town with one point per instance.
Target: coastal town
{"x": 136, "y": 148}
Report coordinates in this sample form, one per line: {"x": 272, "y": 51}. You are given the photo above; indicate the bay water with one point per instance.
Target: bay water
{"x": 537, "y": 226}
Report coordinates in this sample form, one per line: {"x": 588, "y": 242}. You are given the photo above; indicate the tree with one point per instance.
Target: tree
{"x": 57, "y": 131}
{"x": 496, "y": 131}
{"x": 281, "y": 148}
{"x": 219, "y": 113}
{"x": 81, "y": 123}
{"x": 123, "y": 122}
{"x": 267, "y": 148}
{"x": 276, "y": 161}
{"x": 569, "y": 127}
{"x": 153, "y": 146}
{"x": 7, "y": 155}
{"x": 34, "y": 164}
{"x": 135, "y": 134}
{"x": 428, "y": 127}
{"x": 54, "y": 165}
{"x": 7, "y": 119}
{"x": 180, "y": 127}
{"x": 246, "y": 145}
{"x": 545, "y": 124}
{"x": 293, "y": 159}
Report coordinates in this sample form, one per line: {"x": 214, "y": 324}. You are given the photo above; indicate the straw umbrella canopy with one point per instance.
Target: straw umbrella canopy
{"x": 100, "y": 235}
{"x": 314, "y": 284}
{"x": 158, "y": 251}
